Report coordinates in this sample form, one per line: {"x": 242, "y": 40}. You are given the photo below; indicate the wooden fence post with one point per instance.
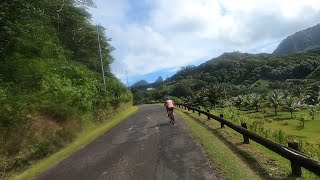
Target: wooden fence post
{"x": 199, "y": 111}
{"x": 208, "y": 111}
{"x": 295, "y": 168}
{"x": 222, "y": 124}
{"x": 245, "y": 138}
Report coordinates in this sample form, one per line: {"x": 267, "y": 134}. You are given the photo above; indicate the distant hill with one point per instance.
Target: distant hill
{"x": 239, "y": 73}
{"x": 300, "y": 41}
{"x": 143, "y": 84}
{"x": 159, "y": 80}
{"x": 244, "y": 68}
{"x": 140, "y": 83}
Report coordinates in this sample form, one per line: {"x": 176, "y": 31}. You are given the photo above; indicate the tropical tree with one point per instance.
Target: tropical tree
{"x": 313, "y": 111}
{"x": 255, "y": 101}
{"x": 302, "y": 120}
{"x": 213, "y": 94}
{"x": 237, "y": 101}
{"x": 292, "y": 104}
{"x": 275, "y": 100}
{"x": 198, "y": 99}
{"x": 246, "y": 102}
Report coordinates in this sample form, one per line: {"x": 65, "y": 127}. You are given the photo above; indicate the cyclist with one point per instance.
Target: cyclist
{"x": 170, "y": 105}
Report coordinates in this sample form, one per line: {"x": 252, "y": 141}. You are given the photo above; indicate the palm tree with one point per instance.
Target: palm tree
{"x": 275, "y": 100}
{"x": 255, "y": 101}
{"x": 237, "y": 101}
{"x": 213, "y": 93}
{"x": 313, "y": 111}
{"x": 246, "y": 102}
{"x": 302, "y": 120}
{"x": 292, "y": 104}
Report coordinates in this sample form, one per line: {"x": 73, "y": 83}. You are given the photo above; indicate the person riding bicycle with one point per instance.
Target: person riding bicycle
{"x": 169, "y": 104}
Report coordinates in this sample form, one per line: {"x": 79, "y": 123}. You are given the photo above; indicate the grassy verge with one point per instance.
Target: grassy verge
{"x": 84, "y": 138}
{"x": 223, "y": 158}
{"x": 283, "y": 121}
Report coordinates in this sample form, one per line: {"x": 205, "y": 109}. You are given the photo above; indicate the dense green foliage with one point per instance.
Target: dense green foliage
{"x": 300, "y": 41}
{"x": 252, "y": 83}
{"x": 242, "y": 73}
{"x": 50, "y": 78}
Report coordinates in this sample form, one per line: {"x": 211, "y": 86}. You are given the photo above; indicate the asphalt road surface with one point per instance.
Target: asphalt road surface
{"x": 145, "y": 146}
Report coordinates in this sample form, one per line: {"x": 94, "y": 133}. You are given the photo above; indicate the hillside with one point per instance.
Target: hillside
{"x": 241, "y": 73}
{"x": 159, "y": 80}
{"x": 300, "y": 41}
{"x": 141, "y": 83}
{"x": 50, "y": 78}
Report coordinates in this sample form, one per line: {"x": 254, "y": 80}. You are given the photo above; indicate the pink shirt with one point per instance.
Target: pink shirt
{"x": 169, "y": 103}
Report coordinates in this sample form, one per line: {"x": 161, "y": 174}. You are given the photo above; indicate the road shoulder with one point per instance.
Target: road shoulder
{"x": 224, "y": 160}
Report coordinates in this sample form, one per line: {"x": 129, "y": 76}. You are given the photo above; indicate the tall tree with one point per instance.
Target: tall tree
{"x": 275, "y": 100}
{"x": 213, "y": 92}
{"x": 255, "y": 101}
{"x": 292, "y": 104}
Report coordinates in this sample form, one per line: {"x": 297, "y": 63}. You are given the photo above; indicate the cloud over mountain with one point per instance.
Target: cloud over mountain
{"x": 153, "y": 35}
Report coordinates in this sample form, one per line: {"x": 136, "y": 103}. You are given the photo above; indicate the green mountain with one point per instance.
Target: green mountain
{"x": 141, "y": 83}
{"x": 159, "y": 80}
{"x": 300, "y": 41}
{"x": 241, "y": 73}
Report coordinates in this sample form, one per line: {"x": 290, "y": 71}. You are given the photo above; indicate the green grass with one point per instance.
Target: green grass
{"x": 223, "y": 158}
{"x": 84, "y": 138}
{"x": 310, "y": 132}
{"x": 269, "y": 164}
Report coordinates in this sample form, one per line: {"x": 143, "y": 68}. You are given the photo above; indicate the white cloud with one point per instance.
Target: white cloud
{"x": 180, "y": 32}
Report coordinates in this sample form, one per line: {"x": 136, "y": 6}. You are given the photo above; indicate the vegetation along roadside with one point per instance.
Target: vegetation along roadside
{"x": 51, "y": 85}
{"x": 83, "y": 138}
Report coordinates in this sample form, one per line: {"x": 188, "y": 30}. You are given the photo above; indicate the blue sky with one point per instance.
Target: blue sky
{"x": 157, "y": 37}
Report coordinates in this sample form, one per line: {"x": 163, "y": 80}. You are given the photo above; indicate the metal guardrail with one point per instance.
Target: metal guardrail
{"x": 297, "y": 158}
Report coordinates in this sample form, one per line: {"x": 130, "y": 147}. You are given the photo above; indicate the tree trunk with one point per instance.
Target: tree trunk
{"x": 291, "y": 114}
{"x": 275, "y": 111}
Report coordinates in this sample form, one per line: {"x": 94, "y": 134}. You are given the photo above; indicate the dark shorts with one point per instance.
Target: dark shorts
{"x": 170, "y": 109}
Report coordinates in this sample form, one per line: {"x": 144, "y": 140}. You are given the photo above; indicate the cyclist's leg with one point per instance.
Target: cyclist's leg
{"x": 171, "y": 115}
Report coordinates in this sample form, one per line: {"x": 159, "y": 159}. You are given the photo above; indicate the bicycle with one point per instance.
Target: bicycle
{"x": 171, "y": 116}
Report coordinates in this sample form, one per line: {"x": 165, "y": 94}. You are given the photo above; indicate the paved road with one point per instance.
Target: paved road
{"x": 145, "y": 146}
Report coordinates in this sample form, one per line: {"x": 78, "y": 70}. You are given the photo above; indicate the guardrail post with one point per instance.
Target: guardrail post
{"x": 222, "y": 124}
{"x": 199, "y": 111}
{"x": 295, "y": 168}
{"x": 245, "y": 138}
{"x": 208, "y": 111}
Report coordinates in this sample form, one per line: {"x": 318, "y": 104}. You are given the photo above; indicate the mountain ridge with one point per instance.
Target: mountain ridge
{"x": 300, "y": 41}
